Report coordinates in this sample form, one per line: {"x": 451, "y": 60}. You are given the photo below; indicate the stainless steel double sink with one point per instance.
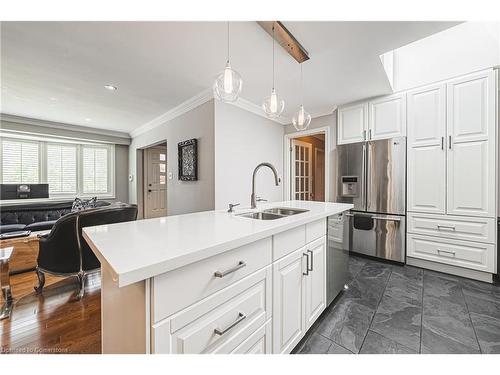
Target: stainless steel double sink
{"x": 273, "y": 213}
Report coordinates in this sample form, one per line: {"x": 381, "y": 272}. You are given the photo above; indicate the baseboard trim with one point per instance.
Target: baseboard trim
{"x": 453, "y": 270}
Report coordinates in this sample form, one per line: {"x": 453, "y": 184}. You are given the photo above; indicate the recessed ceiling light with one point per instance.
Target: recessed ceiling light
{"x": 110, "y": 87}
{"x": 88, "y": 119}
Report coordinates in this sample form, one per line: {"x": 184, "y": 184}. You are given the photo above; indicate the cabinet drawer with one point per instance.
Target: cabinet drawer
{"x": 315, "y": 230}
{"x": 460, "y": 228}
{"x": 182, "y": 287}
{"x": 219, "y": 323}
{"x": 287, "y": 242}
{"x": 473, "y": 255}
{"x": 258, "y": 343}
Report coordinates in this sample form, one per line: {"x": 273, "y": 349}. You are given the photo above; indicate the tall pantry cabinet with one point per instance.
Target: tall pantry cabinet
{"x": 452, "y": 175}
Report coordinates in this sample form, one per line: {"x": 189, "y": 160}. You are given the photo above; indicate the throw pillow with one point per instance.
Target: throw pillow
{"x": 83, "y": 204}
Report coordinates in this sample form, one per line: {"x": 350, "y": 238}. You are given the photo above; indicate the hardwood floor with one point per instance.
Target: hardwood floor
{"x": 55, "y": 322}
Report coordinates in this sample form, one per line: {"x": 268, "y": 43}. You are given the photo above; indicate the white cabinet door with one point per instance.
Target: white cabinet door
{"x": 471, "y": 145}
{"x": 426, "y": 169}
{"x": 352, "y": 123}
{"x": 315, "y": 292}
{"x": 288, "y": 301}
{"x": 387, "y": 117}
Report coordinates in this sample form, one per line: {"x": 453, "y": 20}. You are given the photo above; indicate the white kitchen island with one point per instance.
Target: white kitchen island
{"x": 213, "y": 282}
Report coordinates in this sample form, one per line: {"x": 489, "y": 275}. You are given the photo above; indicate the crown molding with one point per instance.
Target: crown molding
{"x": 256, "y": 109}
{"x": 63, "y": 126}
{"x": 177, "y": 111}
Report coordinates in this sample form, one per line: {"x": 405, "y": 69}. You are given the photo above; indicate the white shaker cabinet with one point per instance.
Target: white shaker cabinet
{"x": 471, "y": 145}
{"x": 288, "y": 301}
{"x": 352, "y": 123}
{"x": 315, "y": 292}
{"x": 387, "y": 117}
{"x": 299, "y": 294}
{"x": 426, "y": 149}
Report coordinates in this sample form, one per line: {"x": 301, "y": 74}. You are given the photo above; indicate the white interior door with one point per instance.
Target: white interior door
{"x": 426, "y": 150}
{"x": 301, "y": 170}
{"x": 155, "y": 189}
{"x": 471, "y": 145}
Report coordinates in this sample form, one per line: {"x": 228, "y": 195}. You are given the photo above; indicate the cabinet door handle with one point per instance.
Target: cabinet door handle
{"x": 442, "y": 143}
{"x": 446, "y": 252}
{"x": 221, "y": 274}
{"x": 312, "y": 260}
{"x": 364, "y": 135}
{"x": 220, "y": 332}
{"x": 451, "y": 227}
{"x": 369, "y": 134}
{"x": 307, "y": 264}
{"x": 449, "y": 142}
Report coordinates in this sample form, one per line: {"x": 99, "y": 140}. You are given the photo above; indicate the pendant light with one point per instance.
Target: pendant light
{"x": 273, "y": 105}
{"x": 301, "y": 119}
{"x": 228, "y": 84}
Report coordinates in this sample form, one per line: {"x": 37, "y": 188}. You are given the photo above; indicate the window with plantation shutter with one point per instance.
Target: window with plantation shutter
{"x": 61, "y": 168}
{"x": 20, "y": 162}
{"x": 95, "y": 170}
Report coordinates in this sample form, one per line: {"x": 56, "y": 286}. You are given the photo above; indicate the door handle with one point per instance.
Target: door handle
{"x": 307, "y": 264}
{"x": 442, "y": 143}
{"x": 149, "y": 190}
{"x": 312, "y": 261}
{"x": 449, "y": 142}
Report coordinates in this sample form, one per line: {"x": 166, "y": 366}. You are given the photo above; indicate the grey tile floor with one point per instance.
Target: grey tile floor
{"x": 401, "y": 309}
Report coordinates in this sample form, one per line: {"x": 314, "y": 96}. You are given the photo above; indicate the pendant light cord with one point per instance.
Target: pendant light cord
{"x": 301, "y": 87}
{"x": 273, "y": 56}
{"x": 228, "y": 42}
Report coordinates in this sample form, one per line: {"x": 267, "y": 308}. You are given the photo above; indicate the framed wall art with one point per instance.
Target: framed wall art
{"x": 188, "y": 160}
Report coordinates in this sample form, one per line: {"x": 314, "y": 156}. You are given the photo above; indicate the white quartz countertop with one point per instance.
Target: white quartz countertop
{"x": 142, "y": 249}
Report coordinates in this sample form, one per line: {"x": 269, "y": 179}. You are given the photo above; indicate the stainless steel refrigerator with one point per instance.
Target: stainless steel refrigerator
{"x": 372, "y": 176}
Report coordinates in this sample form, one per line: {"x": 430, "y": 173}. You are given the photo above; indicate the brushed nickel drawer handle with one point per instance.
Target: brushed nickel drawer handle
{"x": 312, "y": 261}
{"x": 439, "y": 227}
{"x": 446, "y": 252}
{"x": 220, "y": 332}
{"x": 221, "y": 274}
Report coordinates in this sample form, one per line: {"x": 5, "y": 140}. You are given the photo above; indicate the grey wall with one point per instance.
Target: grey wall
{"x": 242, "y": 141}
{"x": 331, "y": 122}
{"x": 182, "y": 196}
{"x": 121, "y": 173}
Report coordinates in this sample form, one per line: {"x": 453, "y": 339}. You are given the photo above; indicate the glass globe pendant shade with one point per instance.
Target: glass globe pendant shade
{"x": 273, "y": 105}
{"x": 301, "y": 119}
{"x": 228, "y": 84}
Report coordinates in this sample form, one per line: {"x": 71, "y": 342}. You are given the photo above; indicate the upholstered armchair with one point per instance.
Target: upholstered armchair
{"x": 64, "y": 251}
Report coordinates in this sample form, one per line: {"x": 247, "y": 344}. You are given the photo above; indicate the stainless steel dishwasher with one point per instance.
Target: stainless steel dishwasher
{"x": 337, "y": 255}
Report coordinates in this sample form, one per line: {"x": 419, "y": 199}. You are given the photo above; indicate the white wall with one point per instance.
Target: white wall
{"x": 462, "y": 49}
{"x": 242, "y": 141}
{"x": 331, "y": 122}
{"x": 182, "y": 196}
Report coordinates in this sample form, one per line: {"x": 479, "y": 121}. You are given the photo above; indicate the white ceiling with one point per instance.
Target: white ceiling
{"x": 56, "y": 70}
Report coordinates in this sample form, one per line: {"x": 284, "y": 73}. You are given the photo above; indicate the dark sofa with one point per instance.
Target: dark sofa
{"x": 35, "y": 216}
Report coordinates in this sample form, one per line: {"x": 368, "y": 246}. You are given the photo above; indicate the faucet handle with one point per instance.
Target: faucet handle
{"x": 231, "y": 206}
{"x": 260, "y": 199}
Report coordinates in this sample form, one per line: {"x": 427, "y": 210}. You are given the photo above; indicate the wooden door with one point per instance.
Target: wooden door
{"x": 315, "y": 282}
{"x": 352, "y": 123}
{"x": 387, "y": 117}
{"x": 471, "y": 111}
{"x": 155, "y": 190}
{"x": 426, "y": 158}
{"x": 319, "y": 175}
{"x": 301, "y": 170}
{"x": 288, "y": 301}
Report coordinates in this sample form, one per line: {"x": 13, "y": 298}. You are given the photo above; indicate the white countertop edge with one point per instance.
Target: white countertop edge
{"x": 135, "y": 275}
